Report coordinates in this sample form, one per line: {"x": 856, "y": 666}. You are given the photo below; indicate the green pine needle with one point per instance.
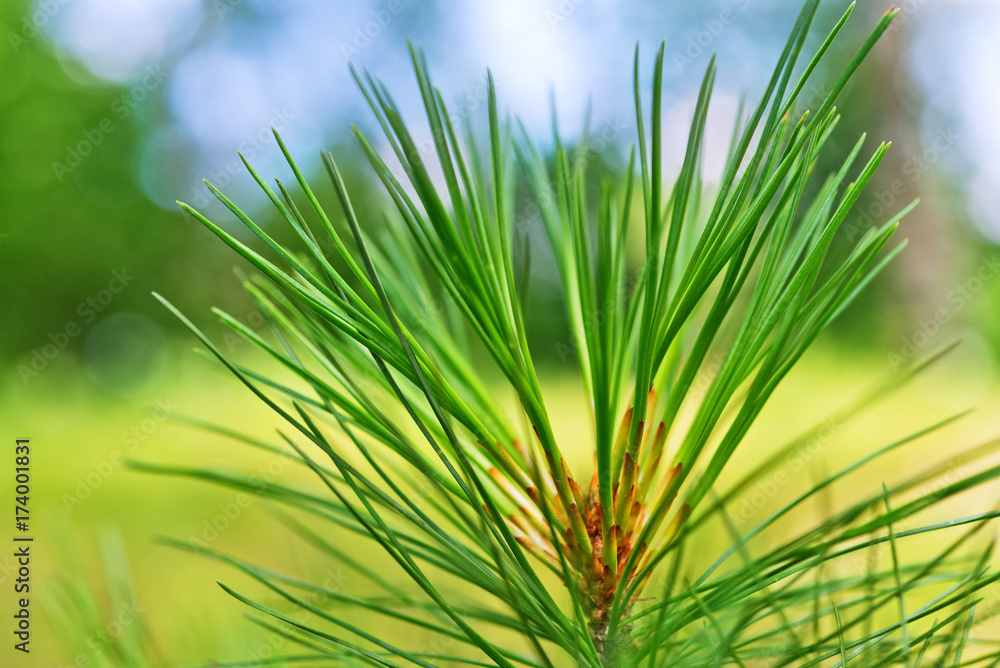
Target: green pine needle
{"x": 512, "y": 559}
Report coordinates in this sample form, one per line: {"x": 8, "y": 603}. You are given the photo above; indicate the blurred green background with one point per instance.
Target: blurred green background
{"x": 111, "y": 110}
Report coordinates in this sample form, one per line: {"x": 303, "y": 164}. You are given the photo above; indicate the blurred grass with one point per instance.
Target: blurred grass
{"x": 76, "y": 430}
